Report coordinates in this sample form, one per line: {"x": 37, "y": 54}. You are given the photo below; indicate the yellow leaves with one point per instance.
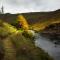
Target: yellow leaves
{"x": 6, "y": 29}
{"x": 23, "y": 22}
{"x": 42, "y": 25}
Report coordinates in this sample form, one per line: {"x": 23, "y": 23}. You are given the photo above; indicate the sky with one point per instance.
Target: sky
{"x": 22, "y": 6}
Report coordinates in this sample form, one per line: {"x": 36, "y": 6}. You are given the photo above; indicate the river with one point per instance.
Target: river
{"x": 48, "y": 46}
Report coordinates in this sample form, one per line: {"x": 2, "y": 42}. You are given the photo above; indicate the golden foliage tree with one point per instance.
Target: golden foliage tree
{"x": 23, "y": 22}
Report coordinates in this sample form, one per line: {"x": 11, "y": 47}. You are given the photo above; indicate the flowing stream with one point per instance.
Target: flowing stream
{"x": 48, "y": 46}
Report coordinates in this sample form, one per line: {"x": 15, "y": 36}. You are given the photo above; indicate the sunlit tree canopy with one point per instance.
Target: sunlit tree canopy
{"x": 23, "y": 22}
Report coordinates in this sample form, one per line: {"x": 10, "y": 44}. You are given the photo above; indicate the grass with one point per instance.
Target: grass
{"x": 15, "y": 46}
{"x": 39, "y": 26}
{"x": 26, "y": 50}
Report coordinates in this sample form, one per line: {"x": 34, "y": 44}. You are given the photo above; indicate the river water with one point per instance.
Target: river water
{"x": 48, "y": 46}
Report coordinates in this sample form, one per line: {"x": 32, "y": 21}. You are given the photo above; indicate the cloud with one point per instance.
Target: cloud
{"x": 15, "y": 6}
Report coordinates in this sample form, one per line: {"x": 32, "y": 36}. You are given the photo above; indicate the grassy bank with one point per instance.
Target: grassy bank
{"x": 15, "y": 46}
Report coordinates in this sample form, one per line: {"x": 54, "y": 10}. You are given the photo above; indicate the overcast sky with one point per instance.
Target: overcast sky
{"x": 19, "y": 6}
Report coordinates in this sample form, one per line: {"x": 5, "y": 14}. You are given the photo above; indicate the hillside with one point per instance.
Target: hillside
{"x": 40, "y": 20}
{"x": 42, "y": 16}
{"x": 32, "y": 17}
{"x": 37, "y": 20}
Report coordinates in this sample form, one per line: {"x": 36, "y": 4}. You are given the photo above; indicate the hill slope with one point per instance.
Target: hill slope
{"x": 38, "y": 20}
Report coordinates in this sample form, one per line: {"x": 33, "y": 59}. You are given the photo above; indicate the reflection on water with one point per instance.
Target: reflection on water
{"x": 47, "y": 45}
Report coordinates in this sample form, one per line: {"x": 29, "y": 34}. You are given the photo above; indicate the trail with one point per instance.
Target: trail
{"x": 10, "y": 51}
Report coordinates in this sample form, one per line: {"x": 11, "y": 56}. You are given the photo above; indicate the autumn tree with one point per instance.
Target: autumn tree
{"x": 23, "y": 22}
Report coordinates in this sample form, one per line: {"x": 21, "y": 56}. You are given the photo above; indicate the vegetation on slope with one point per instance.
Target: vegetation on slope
{"x": 15, "y": 46}
{"x": 6, "y": 29}
{"x": 39, "y": 26}
{"x": 36, "y": 20}
{"x": 39, "y": 20}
